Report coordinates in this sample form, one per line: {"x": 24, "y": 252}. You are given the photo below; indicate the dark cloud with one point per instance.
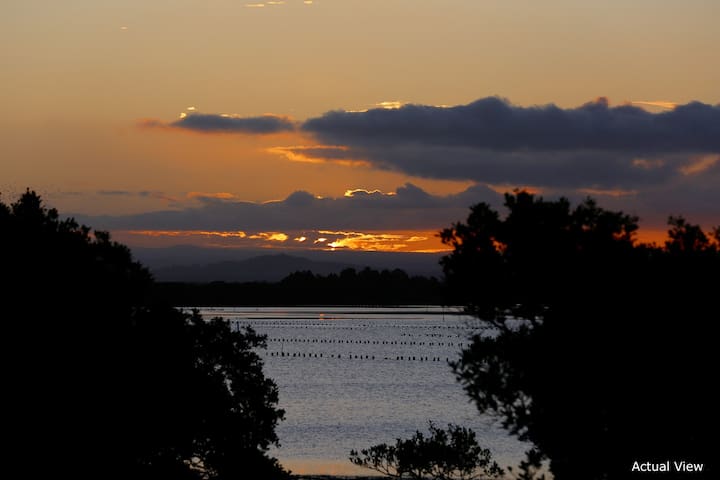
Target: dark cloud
{"x": 550, "y": 169}
{"x": 300, "y": 199}
{"x": 264, "y": 124}
{"x": 694, "y": 196}
{"x": 408, "y": 208}
{"x": 493, "y": 141}
{"x": 496, "y": 125}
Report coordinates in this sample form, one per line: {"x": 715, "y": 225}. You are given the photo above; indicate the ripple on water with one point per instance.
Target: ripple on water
{"x": 368, "y": 395}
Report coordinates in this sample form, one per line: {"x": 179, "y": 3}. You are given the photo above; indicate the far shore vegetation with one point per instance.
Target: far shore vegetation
{"x": 349, "y": 287}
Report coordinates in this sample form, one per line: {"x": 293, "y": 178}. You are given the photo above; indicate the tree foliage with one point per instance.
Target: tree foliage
{"x": 451, "y": 454}
{"x": 102, "y": 381}
{"x": 595, "y": 348}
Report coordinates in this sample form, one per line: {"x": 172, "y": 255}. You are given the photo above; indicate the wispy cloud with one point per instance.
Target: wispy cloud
{"x": 188, "y": 233}
{"x": 151, "y": 123}
{"x": 115, "y": 192}
{"x": 275, "y": 3}
{"x": 598, "y": 192}
{"x": 319, "y": 154}
{"x": 225, "y": 196}
{"x": 701, "y": 164}
{"x": 138, "y": 193}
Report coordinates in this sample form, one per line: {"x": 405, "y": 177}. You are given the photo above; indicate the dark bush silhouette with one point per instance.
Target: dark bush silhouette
{"x": 451, "y": 454}
{"x": 100, "y": 381}
{"x": 599, "y": 350}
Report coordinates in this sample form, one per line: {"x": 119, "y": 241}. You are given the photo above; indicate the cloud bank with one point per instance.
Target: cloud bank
{"x": 408, "y": 208}
{"x": 407, "y": 219}
{"x": 495, "y": 124}
{"x": 492, "y": 141}
{"x": 652, "y": 163}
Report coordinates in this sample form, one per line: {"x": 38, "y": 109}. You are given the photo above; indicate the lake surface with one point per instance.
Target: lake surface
{"x": 353, "y": 377}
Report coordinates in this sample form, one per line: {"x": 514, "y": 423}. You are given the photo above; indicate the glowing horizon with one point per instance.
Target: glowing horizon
{"x": 324, "y": 240}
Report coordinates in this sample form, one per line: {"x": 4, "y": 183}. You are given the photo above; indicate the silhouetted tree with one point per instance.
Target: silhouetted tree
{"x": 100, "y": 381}
{"x": 451, "y": 454}
{"x": 690, "y": 239}
{"x": 531, "y": 468}
{"x": 598, "y": 350}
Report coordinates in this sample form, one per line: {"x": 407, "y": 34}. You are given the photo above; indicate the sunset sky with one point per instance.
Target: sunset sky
{"x": 355, "y": 124}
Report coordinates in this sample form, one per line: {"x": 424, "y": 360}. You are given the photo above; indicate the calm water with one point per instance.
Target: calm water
{"x": 353, "y": 377}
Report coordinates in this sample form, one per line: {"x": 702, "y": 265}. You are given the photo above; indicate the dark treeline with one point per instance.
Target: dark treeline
{"x": 349, "y": 287}
{"x": 609, "y": 373}
{"x": 102, "y": 380}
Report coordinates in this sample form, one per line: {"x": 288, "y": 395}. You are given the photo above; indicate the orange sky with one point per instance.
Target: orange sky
{"x": 81, "y": 78}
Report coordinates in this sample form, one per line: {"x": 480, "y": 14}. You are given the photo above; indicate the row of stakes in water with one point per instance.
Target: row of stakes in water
{"x": 238, "y": 324}
{"x": 365, "y": 342}
{"x": 357, "y": 357}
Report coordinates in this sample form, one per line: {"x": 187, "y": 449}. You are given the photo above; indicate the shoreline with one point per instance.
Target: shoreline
{"x": 337, "y": 477}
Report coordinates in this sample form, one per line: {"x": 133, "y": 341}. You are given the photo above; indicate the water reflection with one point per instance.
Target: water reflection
{"x": 354, "y": 377}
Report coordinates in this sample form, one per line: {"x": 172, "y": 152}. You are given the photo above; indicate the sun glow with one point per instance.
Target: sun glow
{"x": 331, "y": 240}
{"x": 215, "y": 195}
{"x": 392, "y": 105}
{"x": 425, "y": 242}
{"x": 271, "y": 236}
{"x": 656, "y": 103}
{"x": 362, "y": 191}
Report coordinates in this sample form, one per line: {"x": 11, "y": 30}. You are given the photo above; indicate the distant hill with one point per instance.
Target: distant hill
{"x": 264, "y": 268}
{"x": 203, "y": 264}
